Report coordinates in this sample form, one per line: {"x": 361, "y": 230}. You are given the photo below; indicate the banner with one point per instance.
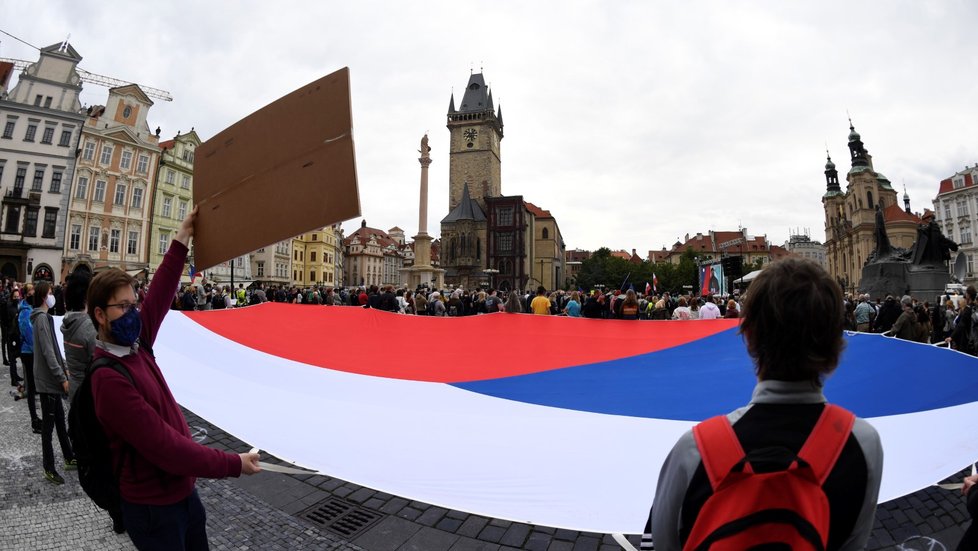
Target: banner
{"x": 555, "y": 421}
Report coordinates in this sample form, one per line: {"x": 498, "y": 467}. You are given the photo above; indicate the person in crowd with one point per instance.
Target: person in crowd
{"x": 513, "y": 304}
{"x": 732, "y": 311}
{"x": 5, "y": 300}
{"x": 78, "y": 333}
{"x": 11, "y": 336}
{"x": 420, "y": 304}
{"x": 455, "y": 307}
{"x": 709, "y": 309}
{"x": 592, "y": 307}
{"x": 51, "y": 382}
{"x": 436, "y": 307}
{"x": 863, "y": 314}
{"x": 905, "y": 326}
{"x": 682, "y": 311}
{"x": 793, "y": 326}
{"x": 160, "y": 506}
{"x": 27, "y": 353}
{"x": 961, "y": 332}
{"x": 950, "y": 314}
{"x": 890, "y": 310}
{"x": 923, "y": 322}
{"x": 629, "y": 306}
{"x": 540, "y": 305}
{"x": 573, "y": 307}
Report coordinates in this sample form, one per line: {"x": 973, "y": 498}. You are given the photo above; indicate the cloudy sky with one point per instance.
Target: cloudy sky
{"x": 634, "y": 123}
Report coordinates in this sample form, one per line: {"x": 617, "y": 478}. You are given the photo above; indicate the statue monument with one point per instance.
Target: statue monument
{"x": 422, "y": 273}
{"x": 921, "y": 271}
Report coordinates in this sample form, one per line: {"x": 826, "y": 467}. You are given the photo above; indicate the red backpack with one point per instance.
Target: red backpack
{"x": 782, "y": 509}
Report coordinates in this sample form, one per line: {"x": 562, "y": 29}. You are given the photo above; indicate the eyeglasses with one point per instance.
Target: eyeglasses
{"x": 125, "y": 306}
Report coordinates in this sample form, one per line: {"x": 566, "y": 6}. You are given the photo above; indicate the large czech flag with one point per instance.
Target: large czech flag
{"x": 549, "y": 420}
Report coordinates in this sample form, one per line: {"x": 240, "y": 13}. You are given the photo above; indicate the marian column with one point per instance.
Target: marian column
{"x": 422, "y": 273}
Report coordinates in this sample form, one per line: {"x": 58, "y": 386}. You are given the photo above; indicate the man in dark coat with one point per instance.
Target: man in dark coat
{"x": 889, "y": 312}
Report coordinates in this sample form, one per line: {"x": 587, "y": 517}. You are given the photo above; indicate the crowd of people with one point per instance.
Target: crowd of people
{"x": 949, "y": 320}
{"x": 627, "y": 305}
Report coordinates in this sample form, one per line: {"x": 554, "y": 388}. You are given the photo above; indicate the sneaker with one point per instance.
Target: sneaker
{"x": 117, "y": 526}
{"x": 71, "y": 465}
{"x": 53, "y": 477}
{"x": 37, "y": 427}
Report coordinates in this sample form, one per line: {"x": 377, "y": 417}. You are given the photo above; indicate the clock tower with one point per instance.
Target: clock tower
{"x": 476, "y": 129}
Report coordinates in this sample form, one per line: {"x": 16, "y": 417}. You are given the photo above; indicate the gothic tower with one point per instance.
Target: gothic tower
{"x": 476, "y": 129}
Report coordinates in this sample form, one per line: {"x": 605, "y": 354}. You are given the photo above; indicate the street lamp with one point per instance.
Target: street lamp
{"x": 490, "y": 272}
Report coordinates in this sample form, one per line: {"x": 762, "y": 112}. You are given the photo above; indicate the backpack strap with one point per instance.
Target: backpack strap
{"x": 825, "y": 443}
{"x": 719, "y": 448}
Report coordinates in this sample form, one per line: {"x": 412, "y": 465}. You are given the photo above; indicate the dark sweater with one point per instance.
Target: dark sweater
{"x": 147, "y": 418}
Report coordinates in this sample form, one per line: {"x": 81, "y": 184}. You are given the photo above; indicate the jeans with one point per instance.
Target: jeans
{"x": 28, "y": 360}
{"x": 181, "y": 526}
{"x": 53, "y": 414}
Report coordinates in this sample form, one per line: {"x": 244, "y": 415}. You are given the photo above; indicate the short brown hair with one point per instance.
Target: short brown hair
{"x": 41, "y": 291}
{"x": 793, "y": 321}
{"x": 103, "y": 288}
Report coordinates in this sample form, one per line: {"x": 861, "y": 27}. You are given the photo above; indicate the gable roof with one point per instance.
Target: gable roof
{"x": 466, "y": 209}
{"x": 131, "y": 90}
{"x": 537, "y": 211}
{"x": 894, "y": 213}
{"x": 947, "y": 184}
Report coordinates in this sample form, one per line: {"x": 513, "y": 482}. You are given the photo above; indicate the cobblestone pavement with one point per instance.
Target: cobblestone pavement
{"x": 277, "y": 511}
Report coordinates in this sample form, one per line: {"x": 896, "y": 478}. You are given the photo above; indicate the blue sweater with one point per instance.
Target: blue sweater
{"x": 26, "y": 330}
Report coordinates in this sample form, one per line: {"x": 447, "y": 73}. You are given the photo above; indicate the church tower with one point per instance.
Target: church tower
{"x": 476, "y": 129}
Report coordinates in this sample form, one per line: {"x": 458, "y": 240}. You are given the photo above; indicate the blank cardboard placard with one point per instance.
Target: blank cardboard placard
{"x": 286, "y": 169}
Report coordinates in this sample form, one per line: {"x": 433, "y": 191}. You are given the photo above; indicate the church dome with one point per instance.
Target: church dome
{"x": 829, "y": 165}
{"x": 853, "y": 135}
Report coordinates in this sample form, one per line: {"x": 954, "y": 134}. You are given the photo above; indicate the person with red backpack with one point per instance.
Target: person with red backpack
{"x": 788, "y": 470}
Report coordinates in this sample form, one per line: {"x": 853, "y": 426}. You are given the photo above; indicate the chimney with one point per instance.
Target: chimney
{"x": 633, "y": 253}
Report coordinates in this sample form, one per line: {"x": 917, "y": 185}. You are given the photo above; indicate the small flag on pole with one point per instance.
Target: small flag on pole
{"x": 192, "y": 273}
{"x": 655, "y": 283}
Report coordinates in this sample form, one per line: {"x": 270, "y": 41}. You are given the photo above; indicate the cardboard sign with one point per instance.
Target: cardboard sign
{"x": 284, "y": 170}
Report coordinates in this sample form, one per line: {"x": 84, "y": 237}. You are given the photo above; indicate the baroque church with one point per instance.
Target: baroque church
{"x": 488, "y": 239}
{"x": 850, "y": 215}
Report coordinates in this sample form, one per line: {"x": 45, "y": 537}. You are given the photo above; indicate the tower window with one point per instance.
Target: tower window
{"x": 546, "y": 233}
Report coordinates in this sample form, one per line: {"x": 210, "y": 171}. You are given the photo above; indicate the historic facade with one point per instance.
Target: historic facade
{"x": 314, "y": 258}
{"x": 548, "y": 249}
{"x": 371, "y": 257}
{"x": 42, "y": 122}
{"x": 113, "y": 187}
{"x": 956, "y": 210}
{"x": 801, "y": 244}
{"x": 850, "y": 215}
{"x": 273, "y": 264}
{"x": 174, "y": 196}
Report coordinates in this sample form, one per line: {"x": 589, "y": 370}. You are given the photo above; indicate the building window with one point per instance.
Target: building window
{"x": 164, "y": 241}
{"x": 182, "y": 212}
{"x": 504, "y": 216}
{"x": 114, "y": 235}
{"x": 966, "y": 234}
{"x": 133, "y": 240}
{"x": 185, "y": 183}
{"x": 81, "y": 192}
{"x": 962, "y": 207}
{"x": 13, "y": 219}
{"x": 188, "y": 155}
{"x": 8, "y": 129}
{"x": 89, "y": 153}
{"x": 47, "y": 101}
{"x": 30, "y": 222}
{"x": 19, "y": 179}
{"x": 947, "y": 211}
{"x": 37, "y": 100}
{"x": 315, "y": 237}
{"x": 312, "y": 256}
{"x": 505, "y": 243}
{"x": 56, "y": 182}
{"x": 31, "y": 130}
{"x": 93, "y": 233}
{"x": 50, "y": 221}
{"x": 126, "y": 162}
{"x": 120, "y": 195}
{"x": 312, "y": 276}
{"x": 261, "y": 269}
{"x": 958, "y": 182}
{"x": 38, "y": 182}
{"x": 74, "y": 239}
{"x": 167, "y": 207}
{"x": 169, "y": 176}
{"x": 137, "y": 198}
{"x": 65, "y": 140}
{"x": 48, "y": 136}
{"x": 142, "y": 164}
{"x": 106, "y": 157}
{"x": 99, "y": 191}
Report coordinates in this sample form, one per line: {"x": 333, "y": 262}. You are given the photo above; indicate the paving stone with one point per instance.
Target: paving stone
{"x": 538, "y": 541}
{"x": 560, "y": 545}
{"x": 492, "y": 534}
{"x": 429, "y": 539}
{"x": 587, "y": 544}
{"x": 472, "y": 526}
{"x": 469, "y": 544}
{"x": 409, "y": 513}
{"x": 387, "y": 535}
{"x": 431, "y": 516}
{"x": 449, "y": 524}
{"x": 394, "y": 505}
{"x": 361, "y": 495}
{"x": 515, "y": 535}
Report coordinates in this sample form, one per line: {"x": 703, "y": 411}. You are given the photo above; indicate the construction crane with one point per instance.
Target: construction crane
{"x": 100, "y": 80}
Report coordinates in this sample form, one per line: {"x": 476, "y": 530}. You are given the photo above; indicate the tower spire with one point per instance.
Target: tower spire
{"x": 831, "y": 176}
{"x": 451, "y": 104}
{"x": 856, "y": 148}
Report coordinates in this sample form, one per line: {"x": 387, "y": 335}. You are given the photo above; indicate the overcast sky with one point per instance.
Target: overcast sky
{"x": 634, "y": 123}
